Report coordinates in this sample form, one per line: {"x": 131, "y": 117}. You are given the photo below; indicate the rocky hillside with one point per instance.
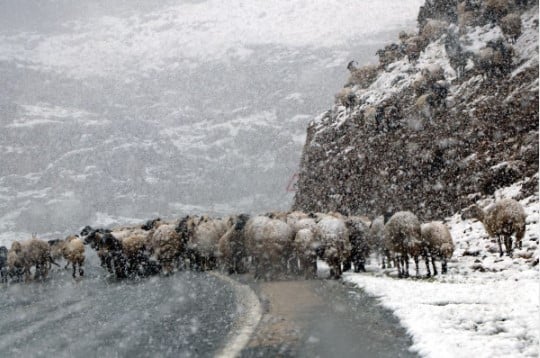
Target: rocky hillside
{"x": 448, "y": 115}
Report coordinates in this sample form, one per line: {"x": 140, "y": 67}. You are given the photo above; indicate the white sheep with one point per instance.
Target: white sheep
{"x": 362, "y": 77}
{"x": 72, "y": 250}
{"x": 376, "y": 239}
{"x": 335, "y": 248}
{"x": 439, "y": 244}
{"x": 298, "y": 220}
{"x": 15, "y": 262}
{"x": 504, "y": 218}
{"x": 269, "y": 243}
{"x": 402, "y": 238}
{"x": 135, "y": 245}
{"x": 201, "y": 236}
{"x": 433, "y": 29}
{"x": 306, "y": 247}
{"x": 166, "y": 246}
{"x": 414, "y": 46}
{"x": 346, "y": 97}
{"x": 23, "y": 256}
{"x": 495, "y": 59}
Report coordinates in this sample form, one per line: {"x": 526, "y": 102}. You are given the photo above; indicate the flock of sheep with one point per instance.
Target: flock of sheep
{"x": 272, "y": 246}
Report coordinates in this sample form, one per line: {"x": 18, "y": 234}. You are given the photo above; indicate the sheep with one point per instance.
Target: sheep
{"x": 71, "y": 249}
{"x": 468, "y": 14}
{"x": 438, "y": 242}
{"x": 15, "y": 261}
{"x": 363, "y": 76}
{"x": 433, "y": 29}
{"x": 389, "y": 54}
{"x": 109, "y": 250}
{"x": 496, "y": 9}
{"x": 413, "y": 46}
{"x": 201, "y": 236}
{"x": 151, "y": 224}
{"x": 511, "y": 26}
{"x": 495, "y": 59}
{"x": 433, "y": 73}
{"x": 346, "y": 98}
{"x": 166, "y": 246}
{"x": 423, "y": 105}
{"x": 427, "y": 79}
{"x": 376, "y": 238}
{"x": 3, "y": 264}
{"x": 402, "y": 238}
{"x": 434, "y": 98}
{"x": 135, "y": 245}
{"x": 269, "y": 243}
{"x": 306, "y": 247}
{"x": 333, "y": 235}
{"x": 504, "y": 218}
{"x": 232, "y": 247}
{"x": 33, "y": 252}
{"x": 358, "y": 237}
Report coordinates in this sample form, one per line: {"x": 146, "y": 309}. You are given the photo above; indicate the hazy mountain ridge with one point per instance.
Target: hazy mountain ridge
{"x": 486, "y": 137}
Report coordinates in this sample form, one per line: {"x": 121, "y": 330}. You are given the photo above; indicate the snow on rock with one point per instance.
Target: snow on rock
{"x": 486, "y": 306}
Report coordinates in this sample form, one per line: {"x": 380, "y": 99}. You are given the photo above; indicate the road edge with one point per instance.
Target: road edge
{"x": 250, "y": 313}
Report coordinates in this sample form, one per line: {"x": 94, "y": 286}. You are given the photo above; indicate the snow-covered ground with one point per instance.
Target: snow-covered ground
{"x": 486, "y": 306}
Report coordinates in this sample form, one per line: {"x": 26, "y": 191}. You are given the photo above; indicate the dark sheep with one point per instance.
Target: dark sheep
{"x": 232, "y": 247}
{"x": 3, "y": 264}
{"x": 109, "y": 250}
{"x": 360, "y": 249}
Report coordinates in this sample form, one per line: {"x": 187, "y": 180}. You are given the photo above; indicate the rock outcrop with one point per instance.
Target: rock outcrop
{"x": 414, "y": 141}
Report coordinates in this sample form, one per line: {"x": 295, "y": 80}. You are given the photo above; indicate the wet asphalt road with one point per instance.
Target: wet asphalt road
{"x": 184, "y": 315}
{"x": 324, "y": 318}
{"x": 191, "y": 315}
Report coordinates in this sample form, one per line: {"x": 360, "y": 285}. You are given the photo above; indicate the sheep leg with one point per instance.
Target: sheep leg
{"x": 416, "y": 262}
{"x": 500, "y": 245}
{"x": 433, "y": 264}
{"x": 426, "y": 260}
{"x": 508, "y": 245}
{"x": 293, "y": 264}
{"x": 398, "y": 262}
{"x": 406, "y": 260}
{"x": 444, "y": 268}
{"x": 347, "y": 264}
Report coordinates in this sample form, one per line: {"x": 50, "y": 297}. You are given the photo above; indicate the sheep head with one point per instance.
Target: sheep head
{"x": 473, "y": 212}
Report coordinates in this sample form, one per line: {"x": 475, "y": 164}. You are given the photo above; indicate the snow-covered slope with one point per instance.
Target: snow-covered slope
{"x": 388, "y": 151}
{"x": 486, "y": 306}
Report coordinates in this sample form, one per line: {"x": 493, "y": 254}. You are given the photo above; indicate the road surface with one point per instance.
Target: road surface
{"x": 193, "y": 315}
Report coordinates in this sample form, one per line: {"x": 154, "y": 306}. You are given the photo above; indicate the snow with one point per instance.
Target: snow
{"x": 486, "y": 306}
